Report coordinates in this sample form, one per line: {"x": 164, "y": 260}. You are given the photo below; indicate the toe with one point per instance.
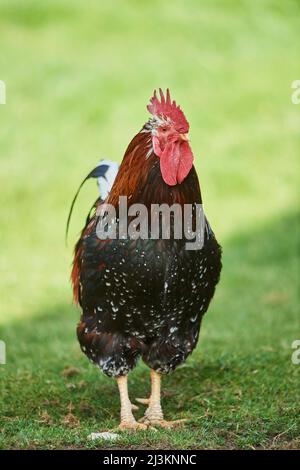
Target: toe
{"x": 144, "y": 419}
{"x": 132, "y": 426}
{"x": 168, "y": 424}
{"x": 143, "y": 401}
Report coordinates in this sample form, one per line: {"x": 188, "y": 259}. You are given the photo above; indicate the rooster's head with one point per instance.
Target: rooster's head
{"x": 169, "y": 129}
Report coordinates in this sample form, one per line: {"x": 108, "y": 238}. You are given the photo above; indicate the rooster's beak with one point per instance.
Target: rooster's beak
{"x": 184, "y": 137}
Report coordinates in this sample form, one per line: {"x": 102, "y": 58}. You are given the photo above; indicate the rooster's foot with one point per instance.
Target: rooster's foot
{"x": 162, "y": 422}
{"x": 132, "y": 426}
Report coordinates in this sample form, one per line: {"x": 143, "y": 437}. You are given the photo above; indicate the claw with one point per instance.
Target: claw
{"x": 134, "y": 407}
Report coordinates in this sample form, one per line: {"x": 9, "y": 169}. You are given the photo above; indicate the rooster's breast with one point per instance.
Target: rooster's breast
{"x": 147, "y": 288}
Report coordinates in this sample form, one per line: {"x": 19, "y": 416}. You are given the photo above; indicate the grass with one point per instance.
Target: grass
{"x": 78, "y": 79}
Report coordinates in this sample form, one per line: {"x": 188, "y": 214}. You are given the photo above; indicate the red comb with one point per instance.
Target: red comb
{"x": 168, "y": 109}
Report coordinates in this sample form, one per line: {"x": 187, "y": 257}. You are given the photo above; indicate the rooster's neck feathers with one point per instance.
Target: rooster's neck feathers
{"x": 140, "y": 179}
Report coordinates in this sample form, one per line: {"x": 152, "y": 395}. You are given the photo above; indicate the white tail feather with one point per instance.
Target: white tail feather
{"x": 106, "y": 181}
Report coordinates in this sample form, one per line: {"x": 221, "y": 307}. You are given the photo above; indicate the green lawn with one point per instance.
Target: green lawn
{"x": 78, "y": 77}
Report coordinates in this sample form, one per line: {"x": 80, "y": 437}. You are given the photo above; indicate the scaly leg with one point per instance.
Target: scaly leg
{"x": 154, "y": 414}
{"x": 127, "y": 419}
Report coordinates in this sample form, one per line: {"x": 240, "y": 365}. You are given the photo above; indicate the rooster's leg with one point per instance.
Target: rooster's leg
{"x": 127, "y": 419}
{"x": 154, "y": 414}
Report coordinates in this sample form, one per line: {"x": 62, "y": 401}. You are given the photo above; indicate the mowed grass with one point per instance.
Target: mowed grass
{"x": 78, "y": 79}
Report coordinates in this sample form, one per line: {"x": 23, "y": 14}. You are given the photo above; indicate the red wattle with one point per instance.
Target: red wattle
{"x": 185, "y": 162}
{"x": 176, "y": 162}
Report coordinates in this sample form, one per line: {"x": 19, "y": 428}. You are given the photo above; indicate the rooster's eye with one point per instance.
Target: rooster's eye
{"x": 164, "y": 129}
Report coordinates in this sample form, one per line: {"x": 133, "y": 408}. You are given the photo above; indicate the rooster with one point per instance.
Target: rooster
{"x": 145, "y": 298}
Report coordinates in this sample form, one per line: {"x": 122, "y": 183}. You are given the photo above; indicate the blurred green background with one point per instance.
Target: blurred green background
{"x": 78, "y": 77}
